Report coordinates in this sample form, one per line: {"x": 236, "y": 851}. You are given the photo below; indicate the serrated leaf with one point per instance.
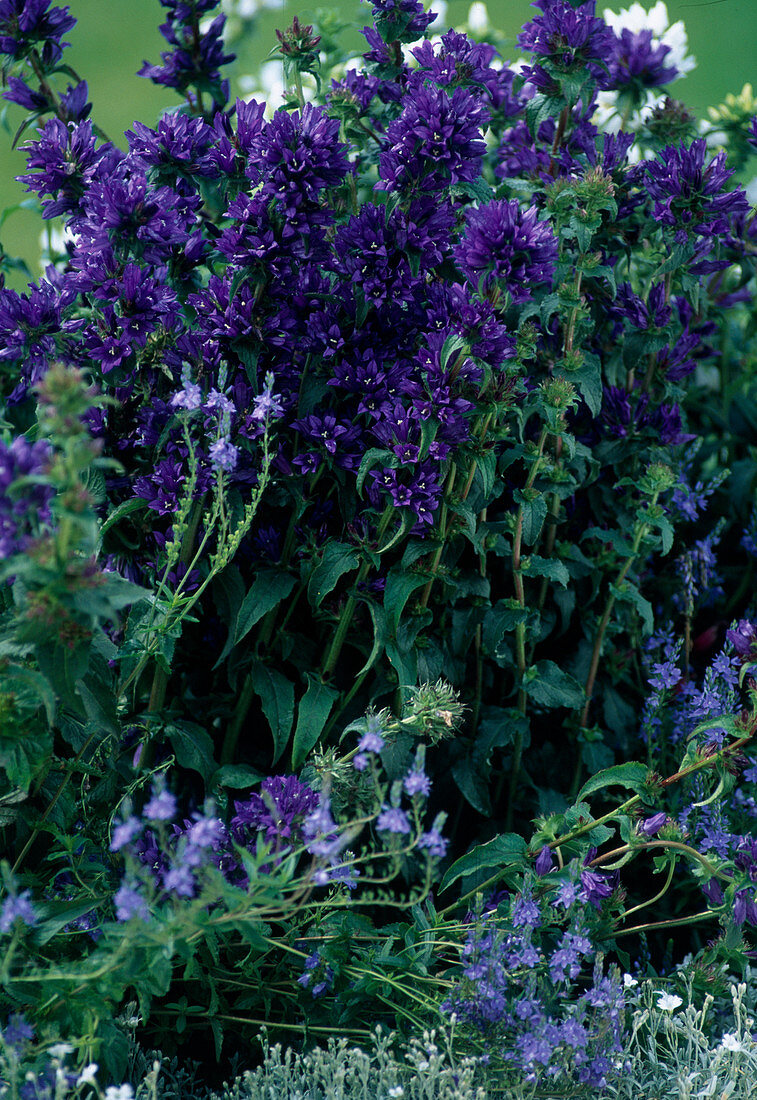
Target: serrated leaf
{"x": 629, "y": 593}
{"x": 552, "y": 568}
{"x": 546, "y": 683}
{"x": 312, "y": 715}
{"x": 503, "y": 617}
{"x": 473, "y": 783}
{"x": 399, "y": 587}
{"x": 502, "y": 851}
{"x": 236, "y": 777}
{"x": 269, "y": 588}
{"x": 534, "y": 514}
{"x": 337, "y": 558}
{"x": 193, "y": 747}
{"x": 631, "y": 775}
{"x": 135, "y": 504}
{"x": 276, "y": 695}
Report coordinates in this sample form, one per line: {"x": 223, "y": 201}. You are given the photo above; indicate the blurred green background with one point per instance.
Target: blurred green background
{"x": 114, "y": 37}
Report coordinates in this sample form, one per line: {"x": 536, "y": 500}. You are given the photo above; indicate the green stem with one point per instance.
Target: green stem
{"x": 520, "y": 638}
{"x": 345, "y": 619}
{"x": 436, "y": 560}
{"x": 235, "y": 725}
{"x": 676, "y": 922}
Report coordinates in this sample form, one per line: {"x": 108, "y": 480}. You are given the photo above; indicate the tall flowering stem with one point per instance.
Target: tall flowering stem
{"x": 520, "y": 629}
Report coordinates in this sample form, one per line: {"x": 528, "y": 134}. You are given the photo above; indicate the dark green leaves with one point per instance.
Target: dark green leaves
{"x": 501, "y": 852}
{"x": 546, "y": 683}
{"x": 276, "y": 695}
{"x": 337, "y": 559}
{"x": 312, "y": 715}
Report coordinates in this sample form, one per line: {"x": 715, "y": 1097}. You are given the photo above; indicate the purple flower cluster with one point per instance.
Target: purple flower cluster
{"x": 688, "y": 194}
{"x": 505, "y": 244}
{"x": 513, "y": 993}
{"x": 196, "y": 57}
{"x": 24, "y": 504}
{"x": 278, "y": 811}
{"x": 567, "y": 38}
{"x": 32, "y": 25}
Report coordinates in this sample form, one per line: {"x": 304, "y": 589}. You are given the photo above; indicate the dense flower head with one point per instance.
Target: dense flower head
{"x": 26, "y": 25}
{"x": 17, "y": 908}
{"x": 639, "y": 61}
{"x": 197, "y": 57}
{"x": 278, "y": 811}
{"x": 298, "y": 155}
{"x": 178, "y": 147}
{"x": 30, "y": 326}
{"x": 687, "y": 190}
{"x": 568, "y": 38}
{"x": 509, "y": 246}
{"x": 64, "y": 163}
{"x": 401, "y": 20}
{"x": 24, "y": 510}
{"x": 436, "y": 141}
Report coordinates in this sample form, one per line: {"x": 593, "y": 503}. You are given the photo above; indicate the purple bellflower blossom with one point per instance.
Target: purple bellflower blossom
{"x": 436, "y": 142}
{"x": 26, "y": 25}
{"x": 279, "y": 811}
{"x": 638, "y": 61}
{"x": 17, "y": 908}
{"x": 502, "y": 243}
{"x": 24, "y": 510}
{"x": 570, "y": 38}
{"x": 687, "y": 191}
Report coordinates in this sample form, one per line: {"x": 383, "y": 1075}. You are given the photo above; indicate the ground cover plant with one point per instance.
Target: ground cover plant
{"x": 378, "y": 529}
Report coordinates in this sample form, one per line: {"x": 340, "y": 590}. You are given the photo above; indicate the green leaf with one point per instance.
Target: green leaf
{"x": 379, "y": 635}
{"x": 631, "y": 775}
{"x": 312, "y": 714}
{"x": 534, "y": 514}
{"x": 235, "y": 776}
{"x": 473, "y": 783}
{"x": 99, "y": 701}
{"x": 337, "y": 559}
{"x": 588, "y": 379}
{"x": 499, "y": 620}
{"x": 193, "y": 747}
{"x": 552, "y": 568}
{"x": 135, "y": 504}
{"x": 629, "y": 593}
{"x": 269, "y": 588}
{"x": 546, "y": 683}
{"x": 276, "y": 695}
{"x": 502, "y": 851}
{"x": 399, "y": 588}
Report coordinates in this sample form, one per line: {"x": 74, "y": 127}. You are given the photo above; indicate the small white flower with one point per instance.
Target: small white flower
{"x": 60, "y": 1050}
{"x": 87, "y": 1075}
{"x": 730, "y": 1042}
{"x": 668, "y": 1002}
{"x": 629, "y": 982}
{"x": 397, "y": 1090}
{"x": 478, "y": 18}
{"x": 119, "y": 1092}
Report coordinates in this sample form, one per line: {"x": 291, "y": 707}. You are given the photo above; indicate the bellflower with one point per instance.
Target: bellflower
{"x": 436, "y": 141}
{"x": 568, "y": 38}
{"x": 26, "y": 25}
{"x": 65, "y": 161}
{"x": 17, "y": 908}
{"x": 196, "y": 59}
{"x": 502, "y": 243}
{"x": 22, "y": 511}
{"x": 401, "y": 20}
{"x": 279, "y": 810}
{"x": 687, "y": 190}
